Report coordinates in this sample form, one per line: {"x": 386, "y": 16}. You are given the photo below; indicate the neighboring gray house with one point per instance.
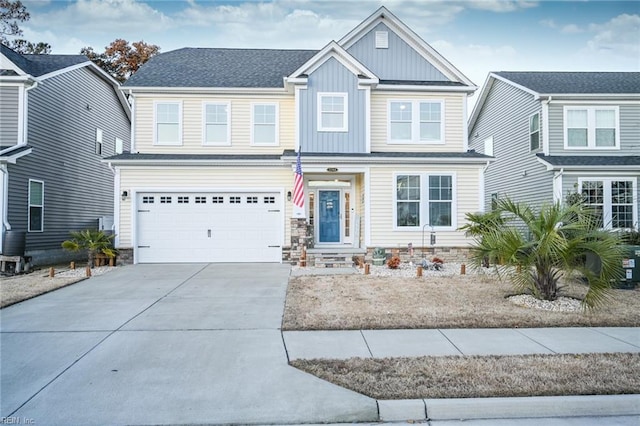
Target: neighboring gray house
{"x": 59, "y": 116}
{"x": 556, "y": 133}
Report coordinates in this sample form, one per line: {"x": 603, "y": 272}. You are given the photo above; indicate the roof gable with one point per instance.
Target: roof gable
{"x": 382, "y": 15}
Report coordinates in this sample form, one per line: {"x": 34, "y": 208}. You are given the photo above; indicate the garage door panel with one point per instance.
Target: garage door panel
{"x": 211, "y": 227}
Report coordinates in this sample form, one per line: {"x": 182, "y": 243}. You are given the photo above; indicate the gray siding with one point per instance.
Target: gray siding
{"x": 332, "y": 76}
{"x": 629, "y": 132}
{"x": 399, "y": 62}
{"x": 62, "y": 132}
{"x": 505, "y": 116}
{"x": 9, "y": 110}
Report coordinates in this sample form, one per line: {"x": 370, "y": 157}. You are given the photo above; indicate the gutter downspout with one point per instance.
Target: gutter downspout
{"x": 557, "y": 186}
{"x": 25, "y": 131}
{"x": 5, "y": 198}
{"x": 483, "y": 197}
{"x": 545, "y": 126}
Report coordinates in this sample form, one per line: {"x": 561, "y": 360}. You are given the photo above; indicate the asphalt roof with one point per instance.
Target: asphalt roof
{"x": 38, "y": 65}
{"x": 591, "y": 160}
{"x": 576, "y": 82}
{"x": 200, "y": 67}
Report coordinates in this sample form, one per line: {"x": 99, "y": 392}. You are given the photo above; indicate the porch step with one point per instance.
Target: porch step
{"x": 333, "y": 257}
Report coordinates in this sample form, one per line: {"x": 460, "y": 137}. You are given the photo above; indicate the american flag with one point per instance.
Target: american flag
{"x": 298, "y": 185}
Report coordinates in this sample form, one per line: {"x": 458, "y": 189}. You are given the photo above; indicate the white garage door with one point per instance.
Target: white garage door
{"x": 209, "y": 227}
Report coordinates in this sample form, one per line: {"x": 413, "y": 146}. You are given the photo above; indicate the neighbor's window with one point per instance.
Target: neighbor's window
{"x": 119, "y": 146}
{"x": 591, "y": 127}
{"x": 264, "y": 124}
{"x": 36, "y": 206}
{"x": 168, "y": 123}
{"x": 612, "y": 199}
{"x": 332, "y": 112}
{"x": 216, "y": 124}
{"x": 534, "y": 132}
{"x": 416, "y": 121}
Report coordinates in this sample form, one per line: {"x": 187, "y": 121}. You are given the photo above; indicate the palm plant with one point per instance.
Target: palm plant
{"x": 536, "y": 249}
{"x": 91, "y": 240}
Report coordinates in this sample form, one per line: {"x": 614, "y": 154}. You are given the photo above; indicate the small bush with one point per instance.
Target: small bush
{"x": 394, "y": 262}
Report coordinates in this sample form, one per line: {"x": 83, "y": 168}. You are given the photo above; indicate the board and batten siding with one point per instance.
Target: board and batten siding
{"x": 398, "y": 62}
{"x": 453, "y": 129}
{"x": 192, "y": 124}
{"x": 516, "y": 172}
{"x": 382, "y": 205}
{"x": 333, "y": 77}
{"x": 201, "y": 178}
{"x": 9, "y": 115}
{"x": 78, "y": 188}
{"x": 629, "y": 131}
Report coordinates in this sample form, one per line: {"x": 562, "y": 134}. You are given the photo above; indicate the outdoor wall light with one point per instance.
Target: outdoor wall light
{"x": 289, "y": 196}
{"x": 125, "y": 194}
{"x": 89, "y": 107}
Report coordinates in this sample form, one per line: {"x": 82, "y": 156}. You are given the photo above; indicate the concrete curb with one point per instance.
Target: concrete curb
{"x": 508, "y": 408}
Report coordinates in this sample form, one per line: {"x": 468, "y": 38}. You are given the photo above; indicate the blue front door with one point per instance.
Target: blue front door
{"x": 329, "y": 216}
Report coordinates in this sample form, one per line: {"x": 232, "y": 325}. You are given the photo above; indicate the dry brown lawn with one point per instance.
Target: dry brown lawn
{"x": 482, "y": 376}
{"x": 341, "y": 302}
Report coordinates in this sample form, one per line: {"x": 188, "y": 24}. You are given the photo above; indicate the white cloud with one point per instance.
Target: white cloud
{"x": 571, "y": 29}
{"x": 501, "y": 5}
{"x": 620, "y": 34}
{"x": 550, "y": 23}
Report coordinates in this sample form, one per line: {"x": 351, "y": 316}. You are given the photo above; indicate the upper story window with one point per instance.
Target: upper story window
{"x": 36, "y": 206}
{"x": 98, "y": 141}
{"x": 424, "y": 199}
{"x": 264, "y": 124}
{"x": 332, "y": 112}
{"x": 420, "y": 122}
{"x": 534, "y": 131}
{"x": 591, "y": 127}
{"x": 168, "y": 123}
{"x": 119, "y": 146}
{"x": 216, "y": 124}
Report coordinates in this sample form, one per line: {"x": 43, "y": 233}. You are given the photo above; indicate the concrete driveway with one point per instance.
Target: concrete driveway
{"x": 163, "y": 344}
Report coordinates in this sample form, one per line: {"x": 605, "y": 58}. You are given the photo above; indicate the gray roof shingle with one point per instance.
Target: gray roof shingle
{"x": 576, "y": 82}
{"x": 205, "y": 67}
{"x": 591, "y": 160}
{"x": 38, "y": 65}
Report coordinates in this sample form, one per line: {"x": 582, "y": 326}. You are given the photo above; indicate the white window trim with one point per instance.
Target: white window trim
{"x": 277, "y": 124}
{"x": 99, "y": 146}
{"x": 155, "y": 123}
{"x": 591, "y": 127}
{"x": 424, "y": 202}
{"x": 345, "y": 112}
{"x": 606, "y": 206}
{"x": 204, "y": 124}
{"x": 531, "y": 133}
{"x": 415, "y": 122}
{"x": 29, "y": 205}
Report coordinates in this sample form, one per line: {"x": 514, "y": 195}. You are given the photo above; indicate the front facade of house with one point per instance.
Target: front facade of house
{"x": 61, "y": 115}
{"x": 554, "y": 134}
{"x": 379, "y": 121}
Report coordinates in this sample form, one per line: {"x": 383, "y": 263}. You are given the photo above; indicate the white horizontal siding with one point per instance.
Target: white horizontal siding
{"x": 151, "y": 179}
{"x": 192, "y": 135}
{"x": 453, "y": 115}
{"x": 382, "y": 205}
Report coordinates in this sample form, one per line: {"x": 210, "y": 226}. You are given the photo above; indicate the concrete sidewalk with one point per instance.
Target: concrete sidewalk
{"x": 440, "y": 342}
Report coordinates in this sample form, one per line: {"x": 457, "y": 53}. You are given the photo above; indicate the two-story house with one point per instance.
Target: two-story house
{"x": 559, "y": 133}
{"x": 379, "y": 119}
{"x": 60, "y": 115}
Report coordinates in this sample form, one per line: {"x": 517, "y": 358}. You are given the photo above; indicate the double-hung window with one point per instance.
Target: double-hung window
{"x": 168, "y": 123}
{"x": 36, "y": 206}
{"x": 591, "y": 127}
{"x": 416, "y": 121}
{"x": 424, "y": 199}
{"x": 613, "y": 201}
{"x": 216, "y": 124}
{"x": 98, "y": 147}
{"x": 264, "y": 124}
{"x": 534, "y": 132}
{"x": 332, "y": 112}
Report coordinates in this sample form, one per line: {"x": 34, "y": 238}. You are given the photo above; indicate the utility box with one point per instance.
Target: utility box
{"x": 631, "y": 266}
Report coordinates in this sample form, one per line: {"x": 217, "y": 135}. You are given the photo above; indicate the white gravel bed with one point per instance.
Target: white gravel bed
{"x": 80, "y": 271}
{"x": 410, "y": 270}
{"x": 561, "y": 304}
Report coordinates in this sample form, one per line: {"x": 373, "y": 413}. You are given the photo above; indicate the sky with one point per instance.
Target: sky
{"x": 476, "y": 36}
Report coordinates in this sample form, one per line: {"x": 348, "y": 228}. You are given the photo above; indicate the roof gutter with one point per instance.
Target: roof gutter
{"x": 5, "y": 197}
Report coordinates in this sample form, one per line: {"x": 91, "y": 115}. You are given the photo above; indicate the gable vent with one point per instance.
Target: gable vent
{"x": 382, "y": 40}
